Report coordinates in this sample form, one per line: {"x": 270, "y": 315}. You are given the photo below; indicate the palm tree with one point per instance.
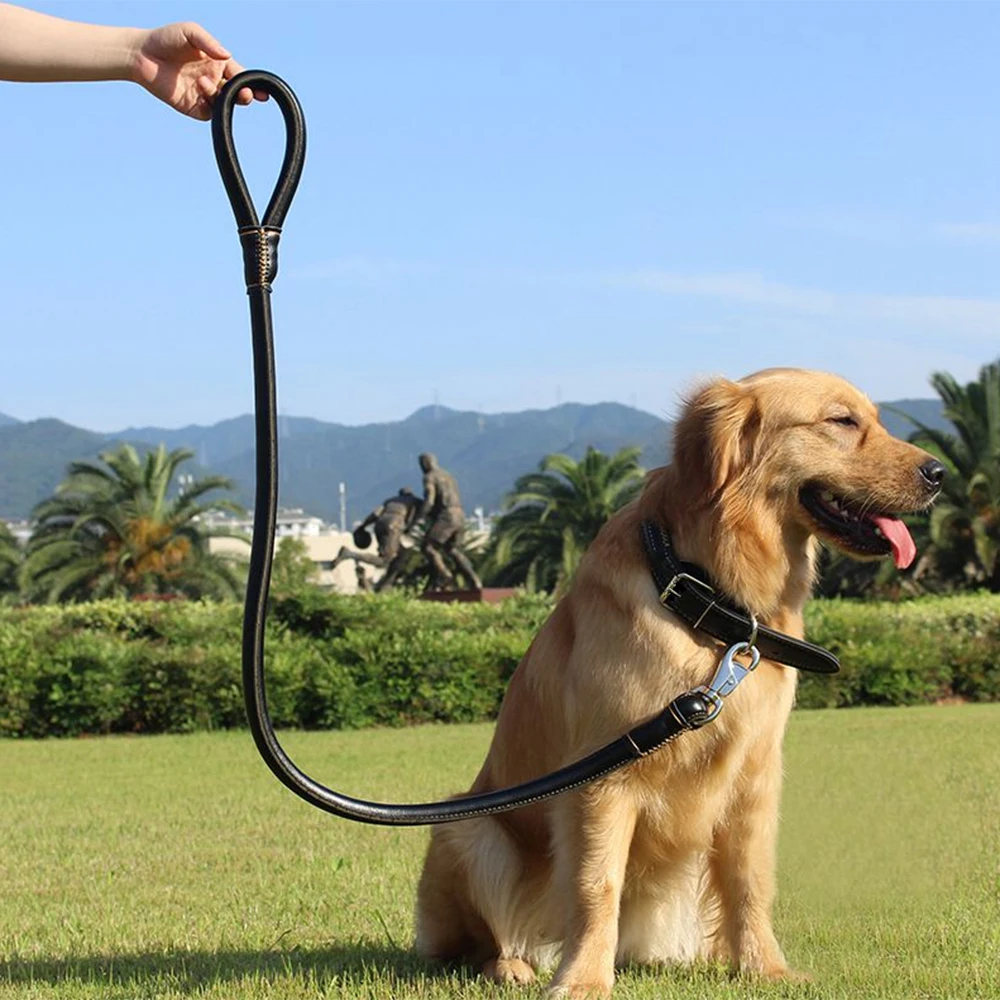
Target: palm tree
{"x": 114, "y": 529}
{"x": 964, "y": 528}
{"x": 552, "y": 515}
{"x": 11, "y": 557}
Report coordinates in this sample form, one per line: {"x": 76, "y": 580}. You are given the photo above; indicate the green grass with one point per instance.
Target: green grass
{"x": 177, "y": 867}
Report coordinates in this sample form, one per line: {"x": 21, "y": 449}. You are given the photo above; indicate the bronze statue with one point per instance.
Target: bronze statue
{"x": 392, "y": 518}
{"x": 445, "y": 522}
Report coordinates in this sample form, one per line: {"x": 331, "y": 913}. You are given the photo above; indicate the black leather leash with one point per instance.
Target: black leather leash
{"x": 686, "y": 591}
{"x": 259, "y": 239}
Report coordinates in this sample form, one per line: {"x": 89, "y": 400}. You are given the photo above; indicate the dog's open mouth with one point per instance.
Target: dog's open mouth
{"x": 856, "y": 529}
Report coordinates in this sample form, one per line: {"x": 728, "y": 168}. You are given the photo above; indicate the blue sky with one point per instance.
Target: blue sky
{"x": 509, "y": 205}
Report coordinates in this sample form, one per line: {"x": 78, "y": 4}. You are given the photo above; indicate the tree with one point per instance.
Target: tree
{"x": 116, "y": 528}
{"x": 292, "y": 568}
{"x": 841, "y": 575}
{"x": 552, "y": 515}
{"x": 964, "y": 529}
{"x": 11, "y": 557}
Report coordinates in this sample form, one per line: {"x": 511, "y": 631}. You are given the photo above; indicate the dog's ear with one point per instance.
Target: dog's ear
{"x": 714, "y": 439}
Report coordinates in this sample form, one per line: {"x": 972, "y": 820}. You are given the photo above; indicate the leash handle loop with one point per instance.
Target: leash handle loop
{"x": 229, "y": 163}
{"x": 259, "y": 239}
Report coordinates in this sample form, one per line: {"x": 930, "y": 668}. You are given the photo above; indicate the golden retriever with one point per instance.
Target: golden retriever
{"x": 671, "y": 858}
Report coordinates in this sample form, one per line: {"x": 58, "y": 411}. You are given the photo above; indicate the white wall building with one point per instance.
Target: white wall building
{"x": 321, "y": 541}
{"x": 21, "y": 530}
{"x": 291, "y": 522}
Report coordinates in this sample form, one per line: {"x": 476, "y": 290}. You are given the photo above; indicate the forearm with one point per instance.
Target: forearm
{"x": 430, "y": 494}
{"x": 36, "y": 47}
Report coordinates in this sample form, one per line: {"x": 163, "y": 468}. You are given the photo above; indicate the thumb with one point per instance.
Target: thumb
{"x": 197, "y": 37}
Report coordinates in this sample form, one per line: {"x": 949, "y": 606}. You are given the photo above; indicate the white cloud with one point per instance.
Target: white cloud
{"x": 971, "y": 232}
{"x": 360, "y": 269}
{"x": 737, "y": 288}
{"x": 952, "y": 315}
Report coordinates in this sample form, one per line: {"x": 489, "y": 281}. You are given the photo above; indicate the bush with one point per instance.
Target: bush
{"x": 905, "y": 653}
{"x": 347, "y": 662}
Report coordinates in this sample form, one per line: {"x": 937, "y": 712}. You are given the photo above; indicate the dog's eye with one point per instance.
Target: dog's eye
{"x": 845, "y": 421}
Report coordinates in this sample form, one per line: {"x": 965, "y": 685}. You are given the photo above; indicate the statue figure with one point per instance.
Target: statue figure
{"x": 445, "y": 522}
{"x": 392, "y": 518}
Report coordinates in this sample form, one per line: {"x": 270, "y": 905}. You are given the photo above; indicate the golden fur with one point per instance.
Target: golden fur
{"x": 671, "y": 858}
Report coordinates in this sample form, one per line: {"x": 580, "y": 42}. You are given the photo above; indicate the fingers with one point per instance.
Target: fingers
{"x": 185, "y": 66}
{"x": 198, "y": 38}
{"x": 207, "y": 87}
{"x": 200, "y": 108}
{"x": 246, "y": 95}
{"x": 210, "y": 83}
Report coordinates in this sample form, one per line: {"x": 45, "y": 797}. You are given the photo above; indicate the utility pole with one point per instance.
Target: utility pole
{"x": 343, "y": 506}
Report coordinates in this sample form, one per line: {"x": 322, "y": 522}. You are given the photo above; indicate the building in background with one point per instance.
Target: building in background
{"x": 322, "y": 543}
{"x": 21, "y": 530}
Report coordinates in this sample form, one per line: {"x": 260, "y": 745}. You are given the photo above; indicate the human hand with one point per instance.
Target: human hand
{"x": 184, "y": 66}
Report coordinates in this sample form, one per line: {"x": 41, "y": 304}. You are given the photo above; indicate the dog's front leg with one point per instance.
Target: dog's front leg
{"x": 592, "y": 835}
{"x": 742, "y": 866}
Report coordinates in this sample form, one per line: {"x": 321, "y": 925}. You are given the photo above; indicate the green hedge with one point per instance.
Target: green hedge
{"x": 344, "y": 662}
{"x": 906, "y": 653}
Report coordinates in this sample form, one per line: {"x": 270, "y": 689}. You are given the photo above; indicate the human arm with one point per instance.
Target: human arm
{"x": 181, "y": 64}
{"x": 412, "y": 515}
{"x": 430, "y": 495}
{"x": 373, "y": 516}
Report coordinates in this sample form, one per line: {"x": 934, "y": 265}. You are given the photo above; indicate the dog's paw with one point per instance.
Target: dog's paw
{"x": 774, "y": 972}
{"x": 783, "y": 974}
{"x": 717, "y": 952}
{"x": 580, "y": 990}
{"x": 509, "y": 971}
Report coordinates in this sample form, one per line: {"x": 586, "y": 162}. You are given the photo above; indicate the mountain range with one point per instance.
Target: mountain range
{"x": 485, "y": 452}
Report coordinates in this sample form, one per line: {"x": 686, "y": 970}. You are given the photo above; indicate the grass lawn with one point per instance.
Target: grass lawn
{"x": 177, "y": 867}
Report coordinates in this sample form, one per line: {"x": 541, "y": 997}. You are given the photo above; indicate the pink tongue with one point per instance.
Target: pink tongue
{"x": 903, "y": 549}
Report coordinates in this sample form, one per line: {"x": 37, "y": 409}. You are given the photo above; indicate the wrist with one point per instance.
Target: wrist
{"x": 129, "y": 53}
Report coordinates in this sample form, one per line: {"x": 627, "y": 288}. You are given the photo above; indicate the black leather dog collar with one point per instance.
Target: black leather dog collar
{"x": 686, "y": 590}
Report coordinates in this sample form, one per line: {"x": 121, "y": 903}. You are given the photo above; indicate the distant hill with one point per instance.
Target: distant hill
{"x": 6, "y": 421}
{"x": 486, "y": 452}
{"x": 218, "y": 442}
{"x": 927, "y": 411}
{"x": 33, "y": 460}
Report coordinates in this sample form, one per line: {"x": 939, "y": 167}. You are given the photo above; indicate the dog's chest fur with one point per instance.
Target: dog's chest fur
{"x": 686, "y": 789}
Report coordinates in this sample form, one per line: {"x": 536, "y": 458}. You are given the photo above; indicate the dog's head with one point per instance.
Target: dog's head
{"x": 806, "y": 451}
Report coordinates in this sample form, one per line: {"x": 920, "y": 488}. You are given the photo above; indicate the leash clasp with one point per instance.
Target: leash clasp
{"x": 728, "y": 676}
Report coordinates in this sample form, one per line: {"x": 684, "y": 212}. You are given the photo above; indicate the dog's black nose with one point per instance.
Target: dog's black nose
{"x": 933, "y": 473}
